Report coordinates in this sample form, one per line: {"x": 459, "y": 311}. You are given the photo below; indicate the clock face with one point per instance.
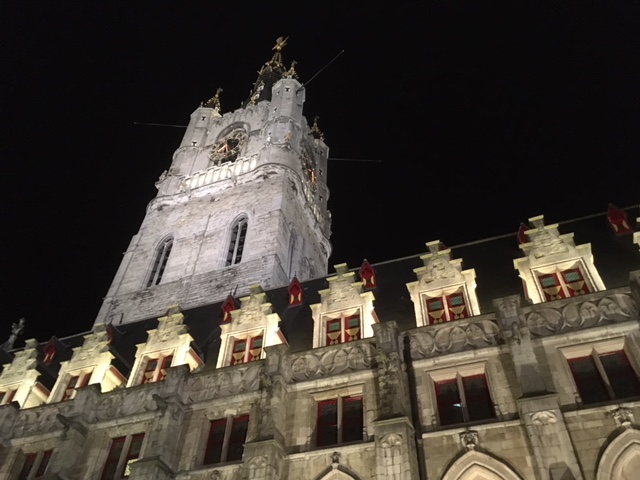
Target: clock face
{"x": 227, "y": 148}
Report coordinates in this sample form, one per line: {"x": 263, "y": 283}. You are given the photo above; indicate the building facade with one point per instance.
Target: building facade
{"x": 224, "y": 351}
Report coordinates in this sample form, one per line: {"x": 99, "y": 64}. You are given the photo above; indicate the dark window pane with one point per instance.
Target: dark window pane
{"x": 213, "y": 453}
{"x": 327, "y": 431}
{"x": 476, "y": 393}
{"x": 588, "y": 380}
{"x": 449, "y": 403}
{"x": 352, "y": 419}
{"x": 27, "y": 466}
{"x": 112, "y": 459}
{"x": 237, "y": 438}
{"x": 43, "y": 463}
{"x": 622, "y": 377}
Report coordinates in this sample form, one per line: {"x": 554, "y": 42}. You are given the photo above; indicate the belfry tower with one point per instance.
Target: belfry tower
{"x": 244, "y": 202}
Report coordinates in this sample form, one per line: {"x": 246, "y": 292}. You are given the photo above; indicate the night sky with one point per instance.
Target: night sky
{"x": 471, "y": 116}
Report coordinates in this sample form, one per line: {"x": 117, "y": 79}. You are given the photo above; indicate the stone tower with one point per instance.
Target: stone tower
{"x": 244, "y": 202}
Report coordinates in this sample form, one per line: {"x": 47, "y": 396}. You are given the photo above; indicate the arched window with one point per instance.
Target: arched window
{"x": 160, "y": 262}
{"x": 292, "y": 246}
{"x": 236, "y": 243}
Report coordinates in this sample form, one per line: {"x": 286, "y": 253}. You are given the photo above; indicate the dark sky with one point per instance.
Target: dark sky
{"x": 476, "y": 115}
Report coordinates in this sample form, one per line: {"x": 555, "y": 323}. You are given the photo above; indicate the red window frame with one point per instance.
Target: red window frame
{"x": 155, "y": 369}
{"x": 343, "y": 329}
{"x": 446, "y": 308}
{"x": 72, "y": 384}
{"x": 247, "y": 350}
{"x": 563, "y": 284}
{"x": 7, "y": 396}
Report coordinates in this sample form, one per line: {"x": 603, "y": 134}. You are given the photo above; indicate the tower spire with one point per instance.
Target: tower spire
{"x": 272, "y": 71}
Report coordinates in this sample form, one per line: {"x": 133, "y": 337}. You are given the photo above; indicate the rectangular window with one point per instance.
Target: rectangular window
{"x": 226, "y": 440}
{"x": 123, "y": 453}
{"x": 343, "y": 329}
{"x": 601, "y": 377}
{"x": 340, "y": 420}
{"x": 247, "y": 350}
{"x": 35, "y": 465}
{"x": 445, "y": 308}
{"x": 563, "y": 284}
{"x": 76, "y": 381}
{"x": 155, "y": 369}
{"x": 6, "y": 396}
{"x": 464, "y": 399}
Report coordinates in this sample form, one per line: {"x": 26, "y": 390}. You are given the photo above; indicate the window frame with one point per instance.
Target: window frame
{"x": 161, "y": 359}
{"x": 595, "y": 350}
{"x": 123, "y": 461}
{"x": 38, "y": 465}
{"x": 229, "y": 423}
{"x": 160, "y": 260}
{"x": 443, "y": 295}
{"x": 459, "y": 373}
{"x": 248, "y": 338}
{"x": 85, "y": 377}
{"x": 339, "y": 399}
{"x": 342, "y": 316}
{"x": 11, "y": 390}
{"x": 237, "y": 241}
{"x": 559, "y": 271}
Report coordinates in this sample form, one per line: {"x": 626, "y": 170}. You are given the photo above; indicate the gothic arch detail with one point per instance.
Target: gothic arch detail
{"x": 475, "y": 465}
{"x": 237, "y": 238}
{"x": 620, "y": 460}
{"x": 160, "y": 259}
{"x": 337, "y": 473}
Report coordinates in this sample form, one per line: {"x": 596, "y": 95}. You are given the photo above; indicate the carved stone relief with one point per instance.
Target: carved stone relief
{"x": 578, "y": 315}
{"x": 454, "y": 337}
{"x": 230, "y": 381}
{"x": 331, "y": 362}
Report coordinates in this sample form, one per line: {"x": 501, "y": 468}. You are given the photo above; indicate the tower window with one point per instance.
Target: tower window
{"x": 160, "y": 262}
{"x": 236, "y": 244}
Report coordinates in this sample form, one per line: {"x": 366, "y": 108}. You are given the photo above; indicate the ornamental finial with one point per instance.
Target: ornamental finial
{"x": 291, "y": 73}
{"x": 315, "y": 129}
{"x": 214, "y": 102}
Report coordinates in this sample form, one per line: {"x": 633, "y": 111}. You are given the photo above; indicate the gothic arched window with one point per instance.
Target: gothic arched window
{"x": 160, "y": 262}
{"x": 236, "y": 243}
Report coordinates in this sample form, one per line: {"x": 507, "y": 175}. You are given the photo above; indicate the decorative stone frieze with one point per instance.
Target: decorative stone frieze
{"x": 458, "y": 336}
{"x": 443, "y": 291}
{"x": 333, "y": 360}
{"x": 224, "y": 382}
{"x": 612, "y": 306}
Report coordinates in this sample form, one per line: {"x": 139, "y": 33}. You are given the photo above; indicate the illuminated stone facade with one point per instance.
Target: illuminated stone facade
{"x": 203, "y": 367}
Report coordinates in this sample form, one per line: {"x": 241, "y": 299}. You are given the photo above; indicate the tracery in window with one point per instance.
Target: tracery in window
{"x": 160, "y": 262}
{"x": 236, "y": 242}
